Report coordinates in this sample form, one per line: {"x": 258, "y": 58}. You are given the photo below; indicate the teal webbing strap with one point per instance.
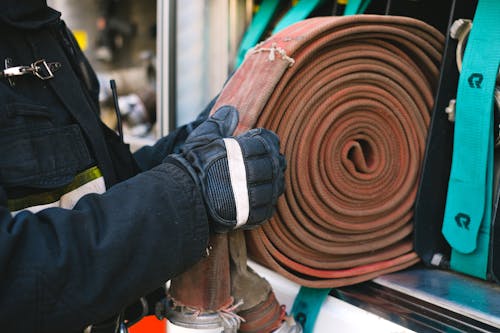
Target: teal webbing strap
{"x": 467, "y": 219}
{"x": 306, "y": 306}
{"x": 257, "y": 27}
{"x": 354, "y": 7}
{"x": 299, "y": 12}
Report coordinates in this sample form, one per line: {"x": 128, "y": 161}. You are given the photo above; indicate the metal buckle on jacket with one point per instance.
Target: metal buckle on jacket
{"x": 40, "y": 68}
{"x": 44, "y": 70}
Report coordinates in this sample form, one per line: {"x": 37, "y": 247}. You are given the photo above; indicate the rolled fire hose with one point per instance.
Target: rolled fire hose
{"x": 350, "y": 98}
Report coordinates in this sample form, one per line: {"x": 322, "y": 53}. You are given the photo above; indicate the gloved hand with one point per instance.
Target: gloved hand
{"x": 240, "y": 177}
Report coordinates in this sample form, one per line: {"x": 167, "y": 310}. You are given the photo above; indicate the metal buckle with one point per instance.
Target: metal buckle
{"x": 42, "y": 70}
{"x": 17, "y": 70}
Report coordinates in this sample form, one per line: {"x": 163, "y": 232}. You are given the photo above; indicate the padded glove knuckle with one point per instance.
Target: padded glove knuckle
{"x": 221, "y": 124}
{"x": 240, "y": 177}
{"x": 262, "y": 194}
{"x": 260, "y": 170}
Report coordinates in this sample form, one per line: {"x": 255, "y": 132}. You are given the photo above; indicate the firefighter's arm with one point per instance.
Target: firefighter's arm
{"x": 71, "y": 268}
{"x": 151, "y": 156}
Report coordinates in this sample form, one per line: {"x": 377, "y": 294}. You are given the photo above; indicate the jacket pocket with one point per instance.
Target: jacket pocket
{"x": 43, "y": 156}
{"x": 18, "y": 116}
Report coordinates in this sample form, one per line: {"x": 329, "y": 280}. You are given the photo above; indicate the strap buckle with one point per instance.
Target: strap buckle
{"x": 40, "y": 68}
{"x": 16, "y": 71}
{"x": 44, "y": 70}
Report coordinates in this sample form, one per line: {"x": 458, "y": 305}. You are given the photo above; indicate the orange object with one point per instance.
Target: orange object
{"x": 149, "y": 324}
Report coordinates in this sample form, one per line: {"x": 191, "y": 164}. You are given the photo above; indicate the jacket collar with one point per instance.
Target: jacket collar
{"x": 27, "y": 14}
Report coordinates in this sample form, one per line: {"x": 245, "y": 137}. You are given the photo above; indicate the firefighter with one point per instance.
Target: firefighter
{"x": 87, "y": 228}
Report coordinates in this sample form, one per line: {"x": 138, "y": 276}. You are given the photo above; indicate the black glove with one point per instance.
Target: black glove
{"x": 240, "y": 177}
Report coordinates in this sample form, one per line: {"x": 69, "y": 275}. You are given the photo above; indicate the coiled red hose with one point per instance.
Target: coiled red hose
{"x": 350, "y": 98}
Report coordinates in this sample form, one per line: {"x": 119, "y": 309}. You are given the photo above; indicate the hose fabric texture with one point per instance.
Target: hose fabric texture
{"x": 350, "y": 98}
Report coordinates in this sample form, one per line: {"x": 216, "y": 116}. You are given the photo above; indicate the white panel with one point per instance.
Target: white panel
{"x": 162, "y": 58}
{"x": 191, "y": 24}
{"x": 335, "y": 315}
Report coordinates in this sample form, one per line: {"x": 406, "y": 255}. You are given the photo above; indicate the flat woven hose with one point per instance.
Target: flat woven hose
{"x": 350, "y": 98}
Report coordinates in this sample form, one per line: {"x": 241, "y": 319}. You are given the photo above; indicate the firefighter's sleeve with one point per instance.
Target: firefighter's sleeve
{"x": 65, "y": 269}
{"x": 150, "y": 156}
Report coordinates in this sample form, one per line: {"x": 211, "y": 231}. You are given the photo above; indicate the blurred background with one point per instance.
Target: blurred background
{"x": 183, "y": 49}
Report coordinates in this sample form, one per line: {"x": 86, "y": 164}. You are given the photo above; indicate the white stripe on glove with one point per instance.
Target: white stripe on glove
{"x": 238, "y": 175}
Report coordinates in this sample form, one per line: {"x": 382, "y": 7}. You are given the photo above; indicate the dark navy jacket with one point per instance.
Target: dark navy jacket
{"x": 61, "y": 269}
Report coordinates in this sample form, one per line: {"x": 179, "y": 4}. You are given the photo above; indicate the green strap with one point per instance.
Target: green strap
{"x": 306, "y": 306}
{"x": 467, "y": 219}
{"x": 354, "y": 7}
{"x": 257, "y": 28}
{"x": 299, "y": 12}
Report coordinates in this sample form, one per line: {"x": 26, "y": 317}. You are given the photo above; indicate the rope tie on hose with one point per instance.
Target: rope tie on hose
{"x": 273, "y": 50}
{"x": 227, "y": 312}
{"x": 352, "y": 114}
